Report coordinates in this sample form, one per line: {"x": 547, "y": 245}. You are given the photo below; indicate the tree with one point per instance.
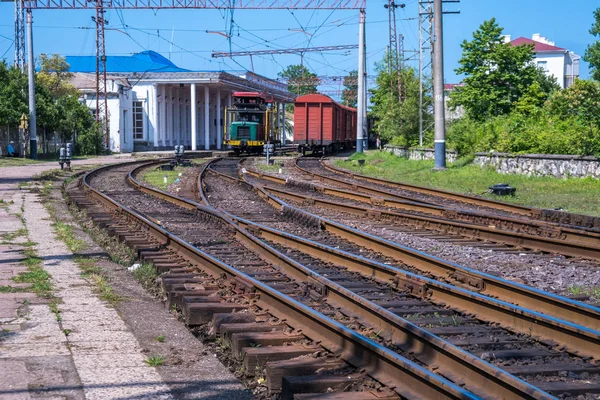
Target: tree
{"x": 13, "y": 95}
{"x": 300, "y": 80}
{"x": 54, "y": 74}
{"x": 497, "y": 74}
{"x": 592, "y": 53}
{"x": 396, "y": 121}
{"x": 350, "y": 92}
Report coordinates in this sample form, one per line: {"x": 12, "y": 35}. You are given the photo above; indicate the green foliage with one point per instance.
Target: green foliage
{"x": 13, "y": 95}
{"x": 300, "y": 80}
{"x": 498, "y": 75}
{"x": 56, "y": 102}
{"x": 350, "y": 92}
{"x": 569, "y": 123}
{"x": 592, "y": 52}
{"x": 396, "y": 121}
{"x": 54, "y": 74}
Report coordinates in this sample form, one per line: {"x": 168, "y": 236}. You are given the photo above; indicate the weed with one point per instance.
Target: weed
{"x": 105, "y": 291}
{"x": 160, "y": 338}
{"x": 9, "y": 237}
{"x": 67, "y": 332}
{"x": 456, "y": 320}
{"x": 10, "y": 289}
{"x": 54, "y": 308}
{"x": 576, "y": 290}
{"x": 66, "y": 234}
{"x": 155, "y": 361}
{"x": 146, "y": 274}
{"x": 88, "y": 266}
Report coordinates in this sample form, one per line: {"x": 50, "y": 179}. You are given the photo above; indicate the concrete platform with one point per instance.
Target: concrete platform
{"x": 88, "y": 350}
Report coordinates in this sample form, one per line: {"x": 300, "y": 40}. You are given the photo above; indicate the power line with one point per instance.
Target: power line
{"x": 283, "y": 51}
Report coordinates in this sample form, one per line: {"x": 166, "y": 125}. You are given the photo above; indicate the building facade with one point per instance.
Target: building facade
{"x": 154, "y": 105}
{"x": 555, "y": 61}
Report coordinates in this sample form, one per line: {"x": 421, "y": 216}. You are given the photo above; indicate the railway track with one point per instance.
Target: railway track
{"x": 304, "y": 283}
{"x": 569, "y": 220}
{"x": 460, "y": 227}
{"x": 204, "y": 287}
{"x": 424, "y": 311}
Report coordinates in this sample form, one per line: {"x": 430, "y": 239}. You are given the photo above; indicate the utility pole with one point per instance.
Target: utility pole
{"x": 426, "y": 61}
{"x": 101, "y": 95}
{"x": 31, "y": 83}
{"x": 425, "y": 49}
{"x": 361, "y": 120}
{"x": 20, "y": 35}
{"x": 438, "y": 87}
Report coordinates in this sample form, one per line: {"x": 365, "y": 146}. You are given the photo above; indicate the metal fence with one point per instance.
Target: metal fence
{"x": 48, "y": 143}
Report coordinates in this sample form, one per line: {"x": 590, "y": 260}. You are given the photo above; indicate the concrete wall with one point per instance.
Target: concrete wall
{"x": 418, "y": 154}
{"x": 560, "y": 166}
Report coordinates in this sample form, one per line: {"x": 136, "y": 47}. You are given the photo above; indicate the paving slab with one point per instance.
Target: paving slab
{"x": 87, "y": 350}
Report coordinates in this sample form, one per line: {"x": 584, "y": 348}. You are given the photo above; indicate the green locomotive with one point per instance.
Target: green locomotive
{"x": 251, "y": 122}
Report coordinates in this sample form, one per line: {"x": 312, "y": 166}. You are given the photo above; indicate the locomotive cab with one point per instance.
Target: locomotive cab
{"x": 249, "y": 123}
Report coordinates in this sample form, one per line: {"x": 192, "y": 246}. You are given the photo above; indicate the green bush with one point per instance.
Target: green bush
{"x": 90, "y": 142}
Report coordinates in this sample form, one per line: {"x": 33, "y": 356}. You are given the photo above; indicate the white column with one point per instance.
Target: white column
{"x": 176, "y": 117}
{"x": 170, "y": 116}
{"x": 155, "y": 114}
{"x": 186, "y": 125}
{"x": 219, "y": 128}
{"x": 193, "y": 114}
{"x": 206, "y": 118}
{"x": 283, "y": 123}
{"x": 163, "y": 116}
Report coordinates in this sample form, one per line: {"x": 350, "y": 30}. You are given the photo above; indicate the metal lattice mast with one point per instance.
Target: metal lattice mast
{"x": 101, "y": 95}
{"x": 19, "y": 35}
{"x": 425, "y": 65}
{"x": 394, "y": 51}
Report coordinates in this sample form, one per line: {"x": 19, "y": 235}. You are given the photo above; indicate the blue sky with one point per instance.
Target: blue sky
{"x": 181, "y": 34}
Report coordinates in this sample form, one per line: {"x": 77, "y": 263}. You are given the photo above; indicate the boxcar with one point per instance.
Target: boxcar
{"x": 323, "y": 126}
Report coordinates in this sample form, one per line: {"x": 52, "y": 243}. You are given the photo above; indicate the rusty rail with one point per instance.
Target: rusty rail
{"x": 405, "y": 377}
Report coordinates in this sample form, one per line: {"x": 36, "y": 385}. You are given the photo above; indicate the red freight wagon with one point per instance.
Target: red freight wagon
{"x": 323, "y": 126}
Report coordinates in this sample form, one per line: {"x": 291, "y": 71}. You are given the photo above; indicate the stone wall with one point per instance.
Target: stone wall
{"x": 418, "y": 154}
{"x": 560, "y": 166}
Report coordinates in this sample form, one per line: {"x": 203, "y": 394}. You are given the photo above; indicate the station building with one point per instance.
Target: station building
{"x": 154, "y": 105}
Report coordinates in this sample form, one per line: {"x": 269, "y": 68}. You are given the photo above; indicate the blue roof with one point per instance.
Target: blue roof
{"x": 146, "y": 61}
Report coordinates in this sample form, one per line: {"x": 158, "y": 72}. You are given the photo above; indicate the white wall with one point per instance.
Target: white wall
{"x": 555, "y": 65}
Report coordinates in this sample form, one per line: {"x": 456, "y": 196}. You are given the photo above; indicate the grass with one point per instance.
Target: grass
{"x": 577, "y": 195}
{"x": 11, "y": 289}
{"x": 36, "y": 276}
{"x": 155, "y": 177}
{"x": 264, "y": 167}
{"x": 146, "y": 275}
{"x": 155, "y": 361}
{"x": 9, "y": 237}
{"x": 66, "y": 234}
{"x": 103, "y": 288}
{"x": 17, "y": 162}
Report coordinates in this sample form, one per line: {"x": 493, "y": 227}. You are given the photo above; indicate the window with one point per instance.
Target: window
{"x": 543, "y": 65}
{"x": 138, "y": 120}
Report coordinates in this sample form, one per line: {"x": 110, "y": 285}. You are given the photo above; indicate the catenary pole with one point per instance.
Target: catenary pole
{"x": 438, "y": 87}
{"x": 31, "y": 82}
{"x": 360, "y": 120}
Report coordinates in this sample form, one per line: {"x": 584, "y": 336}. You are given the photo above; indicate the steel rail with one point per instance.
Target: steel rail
{"x": 539, "y": 228}
{"x": 576, "y": 337}
{"x": 452, "y": 362}
{"x": 528, "y": 297}
{"x": 532, "y": 212}
{"x": 403, "y": 376}
{"x": 549, "y": 245}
